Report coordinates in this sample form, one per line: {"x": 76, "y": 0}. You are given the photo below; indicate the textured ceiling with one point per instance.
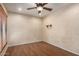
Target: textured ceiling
{"x": 13, "y": 7}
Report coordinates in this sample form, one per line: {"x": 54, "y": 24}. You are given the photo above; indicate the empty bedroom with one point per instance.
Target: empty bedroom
{"x": 39, "y": 29}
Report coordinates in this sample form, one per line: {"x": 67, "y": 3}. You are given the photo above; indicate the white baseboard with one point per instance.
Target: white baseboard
{"x": 11, "y": 45}
{"x": 63, "y": 48}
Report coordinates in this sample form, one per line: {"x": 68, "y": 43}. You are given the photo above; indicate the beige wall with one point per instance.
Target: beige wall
{"x": 65, "y": 30}
{"x": 23, "y": 29}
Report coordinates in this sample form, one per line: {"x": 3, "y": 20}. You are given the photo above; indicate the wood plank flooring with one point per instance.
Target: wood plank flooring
{"x": 37, "y": 49}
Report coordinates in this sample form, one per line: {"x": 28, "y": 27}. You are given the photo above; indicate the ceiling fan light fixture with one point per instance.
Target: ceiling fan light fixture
{"x": 39, "y": 8}
{"x": 39, "y": 14}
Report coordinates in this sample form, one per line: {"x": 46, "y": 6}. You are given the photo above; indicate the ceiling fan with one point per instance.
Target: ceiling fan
{"x": 40, "y": 7}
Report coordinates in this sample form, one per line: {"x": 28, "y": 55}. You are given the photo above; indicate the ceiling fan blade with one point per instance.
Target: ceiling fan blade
{"x": 49, "y": 9}
{"x": 44, "y": 4}
{"x": 40, "y": 4}
{"x": 37, "y": 4}
{"x": 31, "y": 8}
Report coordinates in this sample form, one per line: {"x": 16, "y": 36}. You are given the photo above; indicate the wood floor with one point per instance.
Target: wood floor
{"x": 37, "y": 49}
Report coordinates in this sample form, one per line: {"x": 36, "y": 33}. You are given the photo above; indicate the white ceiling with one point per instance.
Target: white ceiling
{"x": 13, "y": 7}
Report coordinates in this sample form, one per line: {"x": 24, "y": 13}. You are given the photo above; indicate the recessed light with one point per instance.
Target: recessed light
{"x": 19, "y": 9}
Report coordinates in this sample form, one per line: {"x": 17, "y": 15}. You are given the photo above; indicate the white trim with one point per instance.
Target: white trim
{"x": 4, "y": 51}
{"x": 5, "y": 10}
